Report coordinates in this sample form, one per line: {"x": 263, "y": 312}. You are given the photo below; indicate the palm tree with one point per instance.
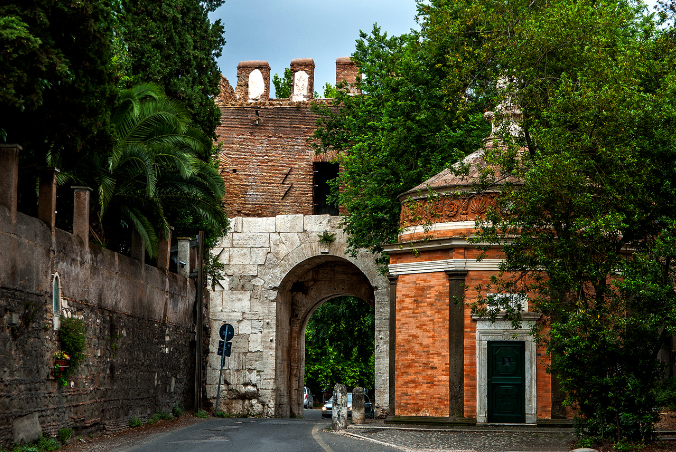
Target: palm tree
{"x": 154, "y": 165}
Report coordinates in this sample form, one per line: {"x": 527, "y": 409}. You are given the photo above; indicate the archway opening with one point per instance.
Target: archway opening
{"x": 303, "y": 290}
{"x": 339, "y": 348}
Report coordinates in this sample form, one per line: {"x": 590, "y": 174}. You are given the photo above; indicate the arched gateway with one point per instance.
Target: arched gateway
{"x": 277, "y": 273}
{"x": 277, "y": 270}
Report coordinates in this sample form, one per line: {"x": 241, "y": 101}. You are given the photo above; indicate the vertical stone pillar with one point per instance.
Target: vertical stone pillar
{"x": 456, "y": 346}
{"x": 9, "y": 177}
{"x": 138, "y": 247}
{"x": 253, "y": 81}
{"x": 164, "y": 251}
{"x": 347, "y": 72}
{"x": 184, "y": 256}
{"x": 339, "y": 407}
{"x": 81, "y": 198}
{"x": 358, "y": 410}
{"x": 303, "y": 78}
{"x": 47, "y": 195}
{"x": 393, "y": 337}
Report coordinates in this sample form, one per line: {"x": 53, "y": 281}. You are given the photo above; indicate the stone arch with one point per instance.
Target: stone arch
{"x": 264, "y": 258}
{"x": 304, "y": 288}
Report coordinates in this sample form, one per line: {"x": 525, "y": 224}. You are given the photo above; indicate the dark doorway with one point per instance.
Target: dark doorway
{"x": 506, "y": 388}
{"x": 323, "y": 173}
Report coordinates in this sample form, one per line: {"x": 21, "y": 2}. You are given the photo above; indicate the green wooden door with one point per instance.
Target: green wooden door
{"x": 506, "y": 388}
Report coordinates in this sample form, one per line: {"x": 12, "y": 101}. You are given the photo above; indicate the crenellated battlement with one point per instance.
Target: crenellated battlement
{"x": 253, "y": 81}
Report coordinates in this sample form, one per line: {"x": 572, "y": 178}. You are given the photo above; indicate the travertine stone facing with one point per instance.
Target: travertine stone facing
{"x": 263, "y": 258}
{"x": 289, "y": 223}
{"x": 256, "y": 85}
{"x": 358, "y": 407}
{"x": 339, "y": 408}
{"x": 253, "y": 81}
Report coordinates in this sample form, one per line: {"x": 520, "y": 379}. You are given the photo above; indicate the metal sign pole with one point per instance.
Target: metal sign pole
{"x": 220, "y": 378}
{"x": 227, "y": 332}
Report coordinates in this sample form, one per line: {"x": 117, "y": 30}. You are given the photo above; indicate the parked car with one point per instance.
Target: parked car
{"x": 327, "y": 409}
{"x": 308, "y": 400}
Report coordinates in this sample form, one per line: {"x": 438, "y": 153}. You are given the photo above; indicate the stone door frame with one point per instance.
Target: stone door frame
{"x": 502, "y": 331}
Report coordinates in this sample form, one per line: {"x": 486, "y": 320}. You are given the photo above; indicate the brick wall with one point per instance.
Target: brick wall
{"x": 421, "y": 367}
{"x": 265, "y": 159}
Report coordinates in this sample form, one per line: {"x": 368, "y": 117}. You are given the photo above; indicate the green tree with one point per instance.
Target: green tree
{"x": 587, "y": 229}
{"x": 154, "y": 168}
{"x": 57, "y": 85}
{"x": 334, "y": 356}
{"x": 404, "y": 129}
{"x": 173, "y": 44}
{"x": 283, "y": 84}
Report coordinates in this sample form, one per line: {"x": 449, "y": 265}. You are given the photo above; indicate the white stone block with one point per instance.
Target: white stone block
{"x": 236, "y": 301}
{"x": 255, "y": 342}
{"x": 225, "y": 316}
{"x": 226, "y": 240}
{"x": 259, "y": 255}
{"x": 257, "y": 326}
{"x": 240, "y": 256}
{"x": 277, "y": 246}
{"x": 242, "y": 270}
{"x": 316, "y": 223}
{"x": 236, "y": 224}
{"x": 251, "y": 240}
{"x": 223, "y": 256}
{"x": 289, "y": 223}
{"x": 266, "y": 224}
{"x": 290, "y": 240}
{"x": 244, "y": 327}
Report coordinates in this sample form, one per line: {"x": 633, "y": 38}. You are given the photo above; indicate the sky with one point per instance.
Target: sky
{"x": 279, "y": 31}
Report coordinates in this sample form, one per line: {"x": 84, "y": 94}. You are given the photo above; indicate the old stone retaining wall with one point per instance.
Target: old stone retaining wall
{"x": 140, "y": 340}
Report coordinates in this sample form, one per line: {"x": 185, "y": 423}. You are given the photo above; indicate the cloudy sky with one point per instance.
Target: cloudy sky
{"x": 278, "y": 31}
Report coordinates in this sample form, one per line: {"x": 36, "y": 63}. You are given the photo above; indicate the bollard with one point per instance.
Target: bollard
{"x": 358, "y": 407}
{"x": 339, "y": 408}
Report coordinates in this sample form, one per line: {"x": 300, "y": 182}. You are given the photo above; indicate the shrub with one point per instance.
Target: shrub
{"x": 155, "y": 418}
{"x": 48, "y": 444}
{"x": 73, "y": 338}
{"x": 164, "y": 415}
{"x": 201, "y": 413}
{"x": 666, "y": 394}
{"x": 177, "y": 410}
{"x": 64, "y": 435}
{"x": 135, "y": 422}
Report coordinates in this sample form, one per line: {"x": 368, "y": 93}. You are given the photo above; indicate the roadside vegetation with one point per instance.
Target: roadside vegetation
{"x": 589, "y": 228}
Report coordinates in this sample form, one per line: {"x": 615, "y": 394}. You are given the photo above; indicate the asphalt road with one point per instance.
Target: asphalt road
{"x": 256, "y": 435}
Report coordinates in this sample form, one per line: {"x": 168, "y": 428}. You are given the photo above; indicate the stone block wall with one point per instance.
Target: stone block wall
{"x": 140, "y": 341}
{"x": 277, "y": 272}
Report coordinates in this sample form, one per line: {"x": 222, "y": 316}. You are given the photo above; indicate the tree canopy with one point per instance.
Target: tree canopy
{"x": 404, "y": 129}
{"x": 334, "y": 356}
{"x": 57, "y": 84}
{"x": 173, "y": 44}
{"x": 156, "y": 167}
{"x": 588, "y": 228}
